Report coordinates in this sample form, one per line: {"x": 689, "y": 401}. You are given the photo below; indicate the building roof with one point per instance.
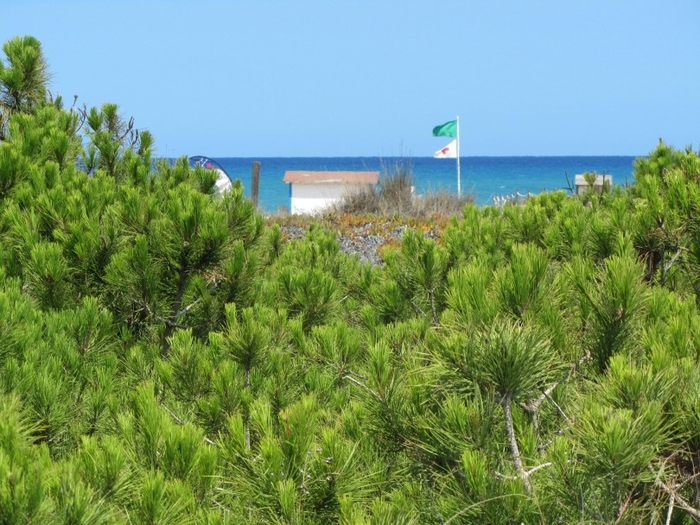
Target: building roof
{"x": 331, "y": 177}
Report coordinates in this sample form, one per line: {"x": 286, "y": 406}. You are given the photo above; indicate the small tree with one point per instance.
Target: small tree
{"x": 517, "y": 363}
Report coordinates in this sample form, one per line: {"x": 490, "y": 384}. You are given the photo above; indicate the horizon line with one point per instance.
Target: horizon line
{"x": 215, "y": 156}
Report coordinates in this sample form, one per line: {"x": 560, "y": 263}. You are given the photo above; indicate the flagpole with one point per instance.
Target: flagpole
{"x": 459, "y": 176}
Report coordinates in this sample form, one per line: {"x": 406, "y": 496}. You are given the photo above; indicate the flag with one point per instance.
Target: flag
{"x": 448, "y": 152}
{"x": 448, "y": 129}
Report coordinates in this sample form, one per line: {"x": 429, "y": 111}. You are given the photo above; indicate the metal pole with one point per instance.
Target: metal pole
{"x": 459, "y": 176}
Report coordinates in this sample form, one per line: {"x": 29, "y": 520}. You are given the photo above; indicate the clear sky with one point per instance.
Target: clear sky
{"x": 261, "y": 78}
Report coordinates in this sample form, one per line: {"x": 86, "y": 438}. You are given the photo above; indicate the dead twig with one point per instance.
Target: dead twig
{"x": 675, "y": 498}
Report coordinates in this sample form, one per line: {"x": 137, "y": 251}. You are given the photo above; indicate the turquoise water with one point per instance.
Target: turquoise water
{"x": 484, "y": 177}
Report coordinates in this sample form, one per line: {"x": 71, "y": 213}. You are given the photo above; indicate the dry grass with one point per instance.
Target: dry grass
{"x": 440, "y": 203}
{"x": 394, "y": 196}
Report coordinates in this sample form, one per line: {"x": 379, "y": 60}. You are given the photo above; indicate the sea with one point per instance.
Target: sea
{"x": 485, "y": 178}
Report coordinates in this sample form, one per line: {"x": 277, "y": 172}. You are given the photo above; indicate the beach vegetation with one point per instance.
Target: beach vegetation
{"x": 395, "y": 195}
{"x": 169, "y": 356}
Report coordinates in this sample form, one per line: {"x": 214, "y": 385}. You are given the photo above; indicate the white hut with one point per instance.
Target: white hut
{"x": 312, "y": 191}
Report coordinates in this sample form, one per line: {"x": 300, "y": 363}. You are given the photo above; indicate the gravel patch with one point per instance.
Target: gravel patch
{"x": 363, "y": 241}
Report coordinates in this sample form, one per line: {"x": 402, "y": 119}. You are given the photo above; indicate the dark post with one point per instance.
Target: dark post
{"x": 255, "y": 186}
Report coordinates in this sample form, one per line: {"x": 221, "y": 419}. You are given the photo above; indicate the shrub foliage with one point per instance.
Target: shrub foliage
{"x": 167, "y": 358}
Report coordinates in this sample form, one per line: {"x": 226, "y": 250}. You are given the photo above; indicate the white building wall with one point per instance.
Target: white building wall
{"x": 312, "y": 198}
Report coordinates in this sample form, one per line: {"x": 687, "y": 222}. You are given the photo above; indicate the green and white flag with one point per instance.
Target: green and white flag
{"x": 451, "y": 151}
{"x": 448, "y": 129}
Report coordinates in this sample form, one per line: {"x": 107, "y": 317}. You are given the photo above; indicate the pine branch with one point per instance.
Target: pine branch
{"x": 515, "y": 451}
{"x": 431, "y": 296}
{"x": 182, "y": 423}
{"x": 527, "y": 473}
{"x": 670, "y": 509}
{"x": 356, "y": 374}
{"x": 362, "y": 385}
{"x": 418, "y": 308}
{"x": 666, "y": 268}
{"x": 559, "y": 409}
{"x": 171, "y": 325}
{"x": 535, "y": 405}
{"x": 625, "y": 506}
{"x": 189, "y": 307}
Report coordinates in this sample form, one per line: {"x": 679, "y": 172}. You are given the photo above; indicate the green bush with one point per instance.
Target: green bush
{"x": 167, "y": 358}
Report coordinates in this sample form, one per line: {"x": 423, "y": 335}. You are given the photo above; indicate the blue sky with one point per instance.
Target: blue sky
{"x": 261, "y": 78}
